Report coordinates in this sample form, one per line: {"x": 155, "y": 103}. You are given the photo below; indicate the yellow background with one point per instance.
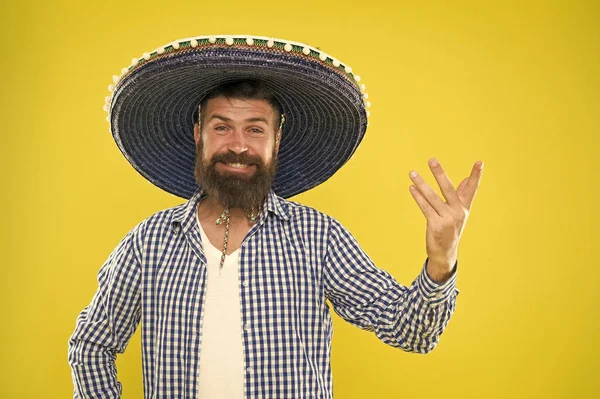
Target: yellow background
{"x": 515, "y": 84}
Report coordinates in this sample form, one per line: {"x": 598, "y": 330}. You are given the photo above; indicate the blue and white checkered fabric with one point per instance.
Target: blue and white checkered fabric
{"x": 292, "y": 260}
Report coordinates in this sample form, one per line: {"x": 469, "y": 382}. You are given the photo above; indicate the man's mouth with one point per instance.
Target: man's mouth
{"x": 237, "y": 165}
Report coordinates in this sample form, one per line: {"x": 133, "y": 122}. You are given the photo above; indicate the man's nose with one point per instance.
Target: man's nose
{"x": 237, "y": 143}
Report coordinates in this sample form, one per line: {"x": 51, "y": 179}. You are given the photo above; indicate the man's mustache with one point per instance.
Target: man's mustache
{"x": 232, "y": 157}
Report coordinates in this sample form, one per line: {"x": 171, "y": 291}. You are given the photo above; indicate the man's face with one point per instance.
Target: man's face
{"x": 236, "y": 156}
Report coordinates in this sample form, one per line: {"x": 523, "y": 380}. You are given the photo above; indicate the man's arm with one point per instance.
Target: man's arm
{"x": 410, "y": 318}
{"x": 105, "y": 326}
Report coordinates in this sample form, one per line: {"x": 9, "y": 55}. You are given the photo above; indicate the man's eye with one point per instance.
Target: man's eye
{"x": 255, "y": 130}
{"x": 221, "y": 128}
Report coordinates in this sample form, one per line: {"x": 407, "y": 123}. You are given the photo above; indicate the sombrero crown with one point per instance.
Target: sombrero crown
{"x": 153, "y": 101}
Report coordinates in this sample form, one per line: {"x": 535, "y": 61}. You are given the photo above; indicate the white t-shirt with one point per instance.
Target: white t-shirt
{"x": 221, "y": 370}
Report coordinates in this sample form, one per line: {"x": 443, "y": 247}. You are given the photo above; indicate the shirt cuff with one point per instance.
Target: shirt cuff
{"x": 434, "y": 292}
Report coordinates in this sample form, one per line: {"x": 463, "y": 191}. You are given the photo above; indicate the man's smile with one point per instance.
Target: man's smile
{"x": 236, "y": 167}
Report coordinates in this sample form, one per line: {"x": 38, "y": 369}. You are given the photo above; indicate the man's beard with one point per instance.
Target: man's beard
{"x": 235, "y": 190}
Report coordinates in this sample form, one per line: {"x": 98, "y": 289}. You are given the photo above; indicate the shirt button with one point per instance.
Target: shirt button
{"x": 246, "y": 327}
{"x": 245, "y": 283}
{"x": 249, "y": 369}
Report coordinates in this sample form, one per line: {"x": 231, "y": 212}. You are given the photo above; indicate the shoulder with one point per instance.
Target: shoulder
{"x": 158, "y": 224}
{"x": 301, "y": 212}
{"x": 304, "y": 216}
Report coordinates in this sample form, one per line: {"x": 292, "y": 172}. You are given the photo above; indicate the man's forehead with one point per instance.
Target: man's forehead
{"x": 239, "y": 110}
{"x": 238, "y": 105}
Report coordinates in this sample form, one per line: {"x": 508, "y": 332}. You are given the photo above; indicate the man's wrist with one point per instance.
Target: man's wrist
{"x": 440, "y": 272}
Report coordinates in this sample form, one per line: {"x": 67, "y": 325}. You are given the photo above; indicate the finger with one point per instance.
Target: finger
{"x": 425, "y": 207}
{"x": 429, "y": 195}
{"x": 444, "y": 182}
{"x": 461, "y": 186}
{"x": 472, "y": 185}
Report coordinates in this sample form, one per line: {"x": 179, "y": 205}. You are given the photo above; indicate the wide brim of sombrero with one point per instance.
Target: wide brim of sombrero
{"x": 152, "y": 105}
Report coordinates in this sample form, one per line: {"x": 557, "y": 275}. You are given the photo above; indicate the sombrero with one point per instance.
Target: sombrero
{"x": 152, "y": 103}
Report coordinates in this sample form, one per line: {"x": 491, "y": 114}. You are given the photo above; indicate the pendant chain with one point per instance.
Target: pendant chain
{"x": 225, "y": 218}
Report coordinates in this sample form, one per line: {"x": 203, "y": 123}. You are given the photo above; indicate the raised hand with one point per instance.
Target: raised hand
{"x": 445, "y": 220}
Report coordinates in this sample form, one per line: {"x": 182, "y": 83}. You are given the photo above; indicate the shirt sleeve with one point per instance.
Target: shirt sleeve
{"x": 105, "y": 326}
{"x": 410, "y": 318}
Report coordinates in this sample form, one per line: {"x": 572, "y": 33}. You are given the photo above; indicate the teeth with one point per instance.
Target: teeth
{"x": 237, "y": 165}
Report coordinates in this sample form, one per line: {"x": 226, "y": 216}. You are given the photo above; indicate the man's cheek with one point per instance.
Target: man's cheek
{"x": 206, "y": 157}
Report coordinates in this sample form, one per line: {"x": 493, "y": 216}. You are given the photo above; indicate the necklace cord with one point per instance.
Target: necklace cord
{"x": 225, "y": 218}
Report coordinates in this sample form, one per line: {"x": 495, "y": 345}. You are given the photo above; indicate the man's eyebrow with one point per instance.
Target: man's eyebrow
{"x": 249, "y": 120}
{"x": 217, "y": 116}
{"x": 259, "y": 119}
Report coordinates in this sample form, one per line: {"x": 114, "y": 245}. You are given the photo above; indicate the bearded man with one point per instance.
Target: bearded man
{"x": 231, "y": 287}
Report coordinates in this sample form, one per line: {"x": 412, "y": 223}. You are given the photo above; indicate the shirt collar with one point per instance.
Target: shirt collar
{"x": 278, "y": 206}
{"x": 184, "y": 216}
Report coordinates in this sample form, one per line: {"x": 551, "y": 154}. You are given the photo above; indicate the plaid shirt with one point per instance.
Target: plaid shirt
{"x": 292, "y": 260}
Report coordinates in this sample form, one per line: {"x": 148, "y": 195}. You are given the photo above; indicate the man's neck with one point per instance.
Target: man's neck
{"x": 211, "y": 210}
{"x": 238, "y": 223}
